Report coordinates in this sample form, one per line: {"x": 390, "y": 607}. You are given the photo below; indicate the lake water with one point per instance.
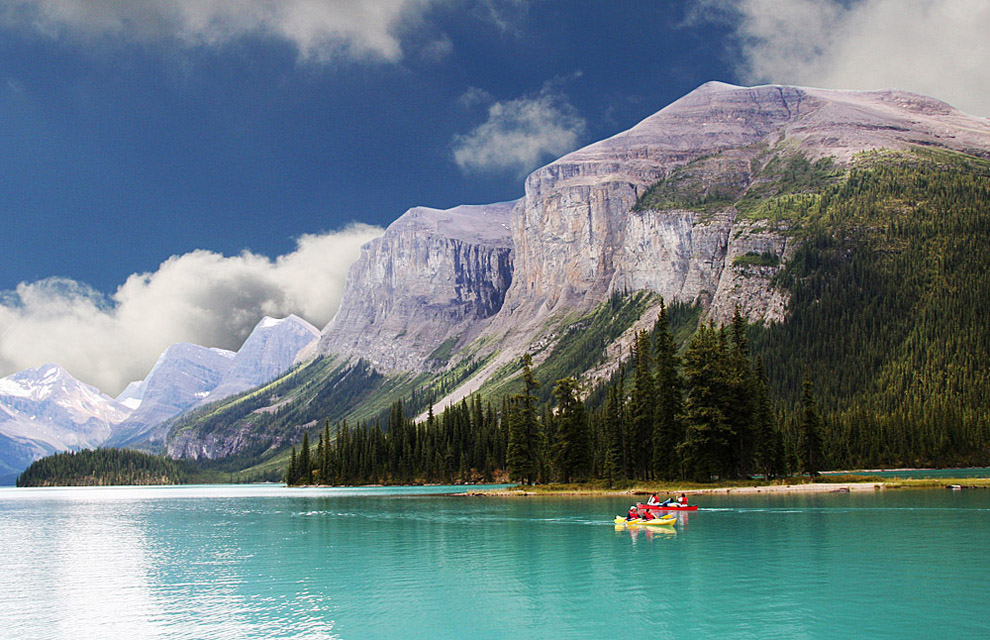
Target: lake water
{"x": 270, "y": 562}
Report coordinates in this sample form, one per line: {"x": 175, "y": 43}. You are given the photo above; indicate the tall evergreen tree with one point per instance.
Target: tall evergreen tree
{"x": 613, "y": 429}
{"x": 292, "y": 472}
{"x": 739, "y": 405}
{"x": 643, "y": 405}
{"x": 768, "y": 443}
{"x": 572, "y": 446}
{"x": 523, "y": 448}
{"x": 305, "y": 470}
{"x": 668, "y": 428}
{"x": 810, "y": 440}
{"x": 707, "y": 444}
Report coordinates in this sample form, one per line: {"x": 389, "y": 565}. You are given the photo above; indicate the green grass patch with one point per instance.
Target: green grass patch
{"x": 441, "y": 354}
{"x": 754, "y": 259}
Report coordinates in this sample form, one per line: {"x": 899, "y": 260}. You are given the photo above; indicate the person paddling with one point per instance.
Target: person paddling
{"x": 653, "y": 501}
{"x": 682, "y": 501}
{"x": 633, "y": 513}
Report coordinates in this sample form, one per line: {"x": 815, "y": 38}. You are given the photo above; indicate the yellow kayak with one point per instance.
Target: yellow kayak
{"x": 666, "y": 521}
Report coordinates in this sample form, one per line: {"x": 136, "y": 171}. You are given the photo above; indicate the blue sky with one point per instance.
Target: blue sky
{"x": 152, "y": 146}
{"x": 120, "y": 152}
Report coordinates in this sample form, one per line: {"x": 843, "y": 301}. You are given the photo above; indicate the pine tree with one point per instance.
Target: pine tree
{"x": 612, "y": 427}
{"x": 291, "y": 473}
{"x": 325, "y": 473}
{"x": 572, "y": 446}
{"x": 305, "y": 468}
{"x": 523, "y": 448}
{"x": 643, "y": 405}
{"x": 768, "y": 443}
{"x": 740, "y": 407}
{"x": 707, "y": 444}
{"x": 810, "y": 441}
{"x": 668, "y": 428}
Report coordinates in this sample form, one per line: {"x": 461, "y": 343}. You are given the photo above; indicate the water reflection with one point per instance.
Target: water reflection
{"x": 131, "y": 568}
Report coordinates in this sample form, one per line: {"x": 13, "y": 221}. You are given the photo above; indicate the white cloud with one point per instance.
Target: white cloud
{"x": 519, "y": 135}
{"x": 320, "y": 30}
{"x": 935, "y": 47}
{"x": 200, "y": 297}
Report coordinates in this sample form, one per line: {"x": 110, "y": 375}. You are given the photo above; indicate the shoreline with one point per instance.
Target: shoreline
{"x": 810, "y": 487}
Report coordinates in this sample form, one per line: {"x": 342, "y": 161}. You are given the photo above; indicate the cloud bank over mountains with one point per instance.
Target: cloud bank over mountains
{"x": 200, "y": 297}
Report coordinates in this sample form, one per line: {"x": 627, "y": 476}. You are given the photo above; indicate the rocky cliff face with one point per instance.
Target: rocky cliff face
{"x": 583, "y": 229}
{"x": 577, "y": 237}
{"x": 435, "y": 276}
{"x": 578, "y": 234}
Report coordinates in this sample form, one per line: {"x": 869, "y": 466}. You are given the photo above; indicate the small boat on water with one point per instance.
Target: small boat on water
{"x": 665, "y": 521}
{"x": 666, "y": 507}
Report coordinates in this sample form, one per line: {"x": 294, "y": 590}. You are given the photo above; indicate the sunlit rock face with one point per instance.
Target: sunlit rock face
{"x": 436, "y": 275}
{"x": 577, "y": 237}
{"x": 438, "y": 279}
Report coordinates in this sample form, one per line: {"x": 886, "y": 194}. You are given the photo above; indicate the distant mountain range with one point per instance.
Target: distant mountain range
{"x": 705, "y": 203}
{"x": 45, "y": 410}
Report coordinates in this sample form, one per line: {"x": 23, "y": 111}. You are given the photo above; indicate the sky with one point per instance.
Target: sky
{"x": 173, "y": 170}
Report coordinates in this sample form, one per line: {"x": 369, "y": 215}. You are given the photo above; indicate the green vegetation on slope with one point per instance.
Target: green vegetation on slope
{"x": 277, "y": 413}
{"x": 890, "y": 300}
{"x": 581, "y": 345}
{"x": 745, "y": 178}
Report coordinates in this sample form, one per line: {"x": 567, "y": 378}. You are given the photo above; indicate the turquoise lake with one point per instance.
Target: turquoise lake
{"x": 271, "y": 562}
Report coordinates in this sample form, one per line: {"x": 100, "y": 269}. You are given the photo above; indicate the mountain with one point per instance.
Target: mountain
{"x": 268, "y": 352}
{"x": 667, "y": 206}
{"x": 44, "y": 410}
{"x": 424, "y": 288}
{"x": 188, "y": 375}
{"x": 183, "y": 375}
{"x": 729, "y": 197}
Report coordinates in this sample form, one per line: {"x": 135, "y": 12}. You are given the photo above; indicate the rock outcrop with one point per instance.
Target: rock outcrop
{"x": 424, "y": 288}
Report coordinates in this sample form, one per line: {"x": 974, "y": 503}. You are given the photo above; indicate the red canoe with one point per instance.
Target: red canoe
{"x": 668, "y": 507}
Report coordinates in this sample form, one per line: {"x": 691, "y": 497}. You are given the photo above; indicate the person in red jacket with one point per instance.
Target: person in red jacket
{"x": 633, "y": 513}
{"x": 682, "y": 501}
